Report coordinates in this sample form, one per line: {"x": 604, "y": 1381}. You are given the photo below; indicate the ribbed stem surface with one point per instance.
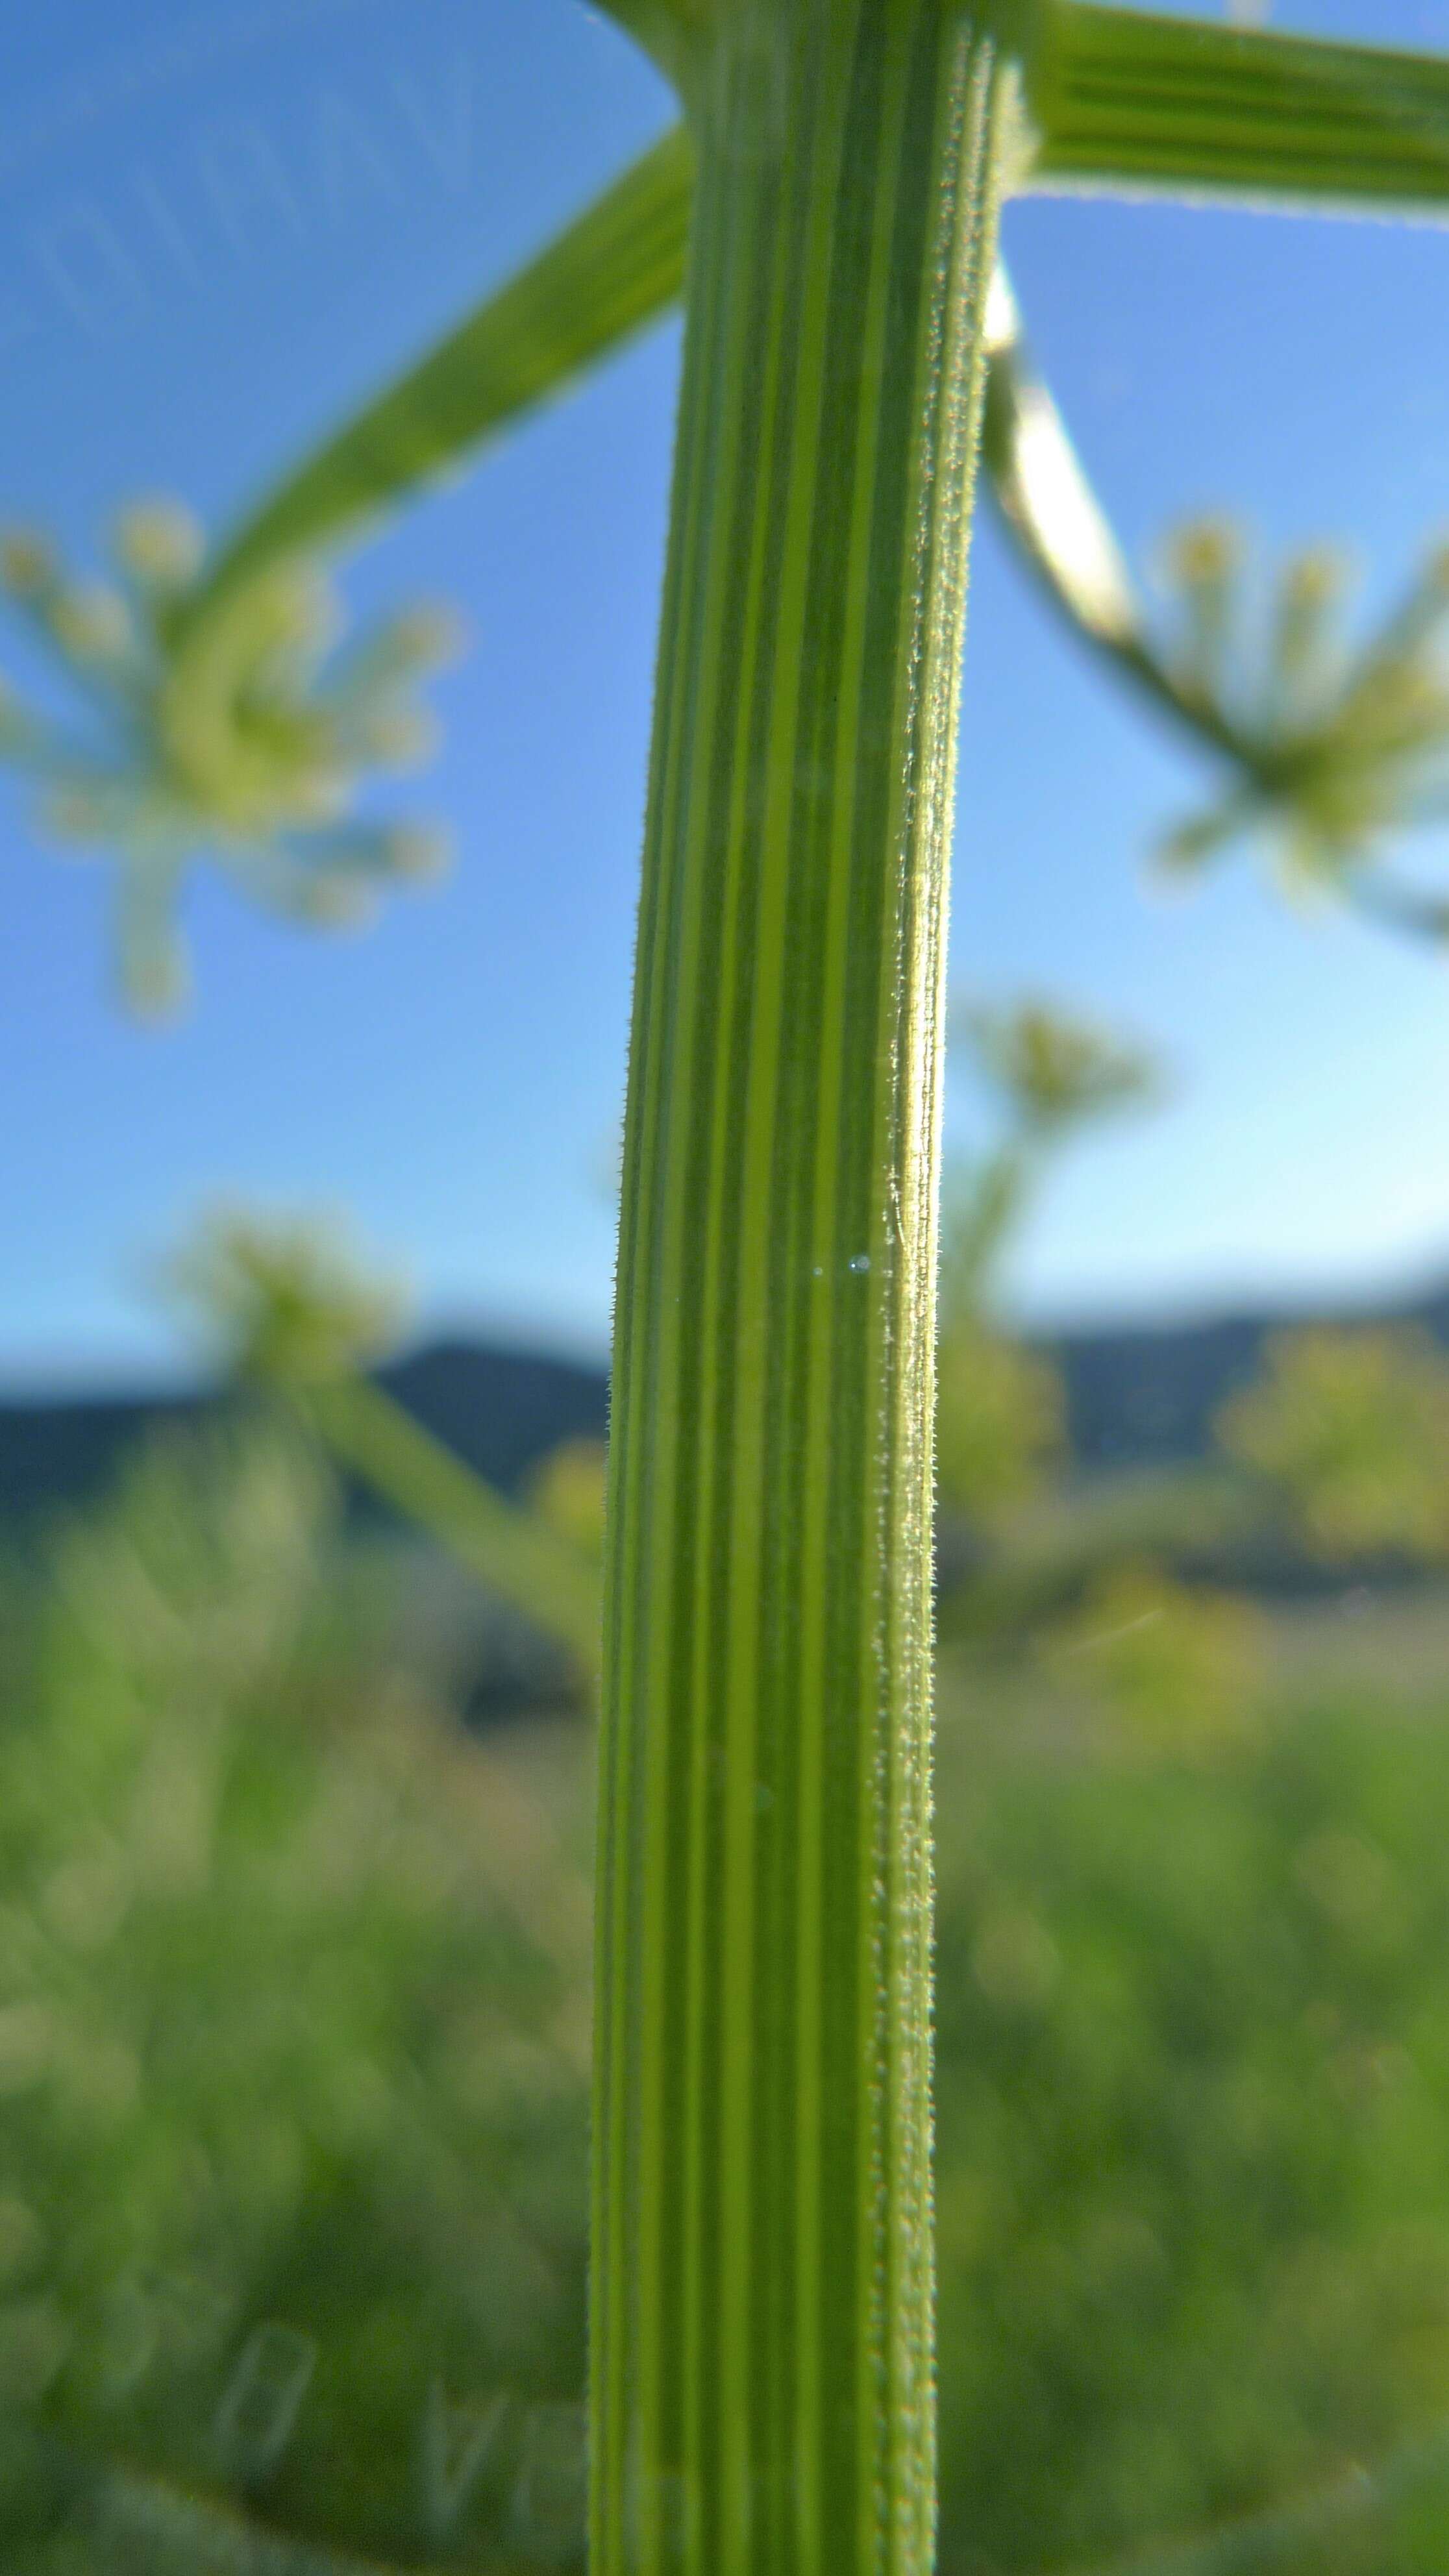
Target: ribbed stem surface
{"x": 1126, "y": 99}
{"x": 762, "y": 2375}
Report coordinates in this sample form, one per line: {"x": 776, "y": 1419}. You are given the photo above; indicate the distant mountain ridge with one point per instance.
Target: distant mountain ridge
{"x": 1147, "y": 1395}
{"x": 501, "y": 1409}
{"x": 1137, "y": 1396}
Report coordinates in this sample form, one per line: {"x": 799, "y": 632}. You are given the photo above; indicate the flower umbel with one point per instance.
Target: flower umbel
{"x": 1053, "y": 1072}
{"x": 245, "y": 735}
{"x": 1334, "y": 747}
{"x": 283, "y": 1302}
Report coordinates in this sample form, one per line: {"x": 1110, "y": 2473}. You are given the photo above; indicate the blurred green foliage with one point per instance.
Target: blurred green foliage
{"x": 1349, "y": 1427}
{"x": 293, "y": 2026}
{"x": 1194, "y": 2108}
{"x": 294, "y": 2037}
{"x": 1173, "y": 1668}
{"x": 999, "y": 1422}
{"x": 566, "y": 1490}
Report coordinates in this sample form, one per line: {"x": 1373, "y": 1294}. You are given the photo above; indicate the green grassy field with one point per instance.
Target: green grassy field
{"x": 293, "y": 2072}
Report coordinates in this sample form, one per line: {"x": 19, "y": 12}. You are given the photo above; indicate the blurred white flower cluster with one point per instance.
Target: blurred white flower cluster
{"x": 240, "y": 727}
{"x": 1336, "y": 746}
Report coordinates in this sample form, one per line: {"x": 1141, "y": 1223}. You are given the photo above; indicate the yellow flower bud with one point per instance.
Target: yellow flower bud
{"x": 27, "y": 566}
{"x": 160, "y": 542}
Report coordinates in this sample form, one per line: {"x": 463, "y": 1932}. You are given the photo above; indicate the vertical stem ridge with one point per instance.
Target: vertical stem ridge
{"x": 762, "y": 2377}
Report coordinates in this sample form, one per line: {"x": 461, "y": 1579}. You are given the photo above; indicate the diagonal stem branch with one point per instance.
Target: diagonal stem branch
{"x": 514, "y": 1554}
{"x": 1065, "y": 537}
{"x": 614, "y": 269}
{"x": 1124, "y": 101}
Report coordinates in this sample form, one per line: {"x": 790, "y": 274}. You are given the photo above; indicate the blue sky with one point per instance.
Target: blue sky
{"x": 219, "y": 229}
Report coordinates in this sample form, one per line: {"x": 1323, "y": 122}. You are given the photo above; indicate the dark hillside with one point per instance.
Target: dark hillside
{"x": 501, "y": 1409}
{"x": 1137, "y": 1397}
{"x": 1147, "y": 1396}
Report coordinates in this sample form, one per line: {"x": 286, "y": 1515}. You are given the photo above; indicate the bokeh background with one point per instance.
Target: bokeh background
{"x": 304, "y": 1311}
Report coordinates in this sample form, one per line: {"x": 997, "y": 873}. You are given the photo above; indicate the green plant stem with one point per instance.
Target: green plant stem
{"x": 761, "y": 2299}
{"x": 1066, "y": 540}
{"x": 513, "y": 1554}
{"x": 1120, "y": 100}
{"x": 611, "y": 273}
{"x": 1125, "y": 100}
{"x": 608, "y": 274}
{"x": 618, "y": 267}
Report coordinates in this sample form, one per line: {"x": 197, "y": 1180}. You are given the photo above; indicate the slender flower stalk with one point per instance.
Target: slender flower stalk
{"x": 762, "y": 2372}
{"x": 516, "y": 1555}
{"x": 288, "y": 1308}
